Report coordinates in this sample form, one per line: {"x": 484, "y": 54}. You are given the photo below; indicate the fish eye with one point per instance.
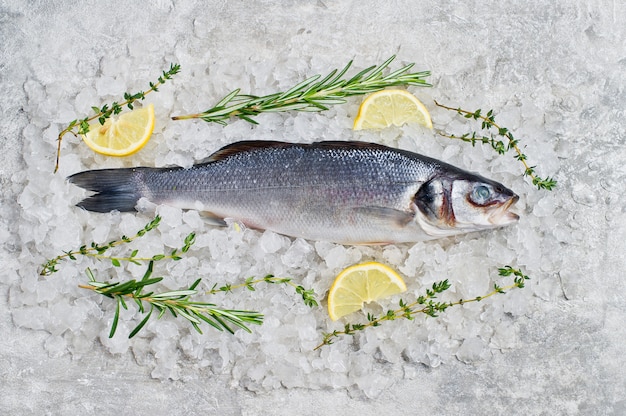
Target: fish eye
{"x": 481, "y": 194}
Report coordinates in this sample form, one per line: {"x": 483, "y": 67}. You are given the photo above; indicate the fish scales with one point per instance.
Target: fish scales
{"x": 347, "y": 192}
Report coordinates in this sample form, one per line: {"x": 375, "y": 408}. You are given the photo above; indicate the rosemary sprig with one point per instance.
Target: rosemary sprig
{"x": 106, "y": 111}
{"x": 177, "y": 302}
{"x": 489, "y": 122}
{"x": 425, "y": 304}
{"x": 98, "y": 250}
{"x": 312, "y": 94}
{"x": 308, "y": 295}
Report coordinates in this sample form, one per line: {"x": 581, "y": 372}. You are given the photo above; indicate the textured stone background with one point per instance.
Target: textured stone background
{"x": 572, "y": 51}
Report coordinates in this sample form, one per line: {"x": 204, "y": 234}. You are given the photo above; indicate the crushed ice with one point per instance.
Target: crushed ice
{"x": 280, "y": 352}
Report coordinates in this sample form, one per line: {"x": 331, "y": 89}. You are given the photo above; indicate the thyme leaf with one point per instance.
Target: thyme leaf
{"x": 488, "y": 124}
{"x": 98, "y": 250}
{"x": 106, "y": 111}
{"x": 178, "y": 302}
{"x": 308, "y": 295}
{"x": 426, "y": 304}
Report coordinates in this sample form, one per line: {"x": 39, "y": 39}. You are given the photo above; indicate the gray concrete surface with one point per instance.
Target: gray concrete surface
{"x": 571, "y": 359}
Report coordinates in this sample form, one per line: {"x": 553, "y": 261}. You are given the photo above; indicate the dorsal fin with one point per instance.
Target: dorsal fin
{"x": 243, "y": 146}
{"x": 339, "y": 144}
{"x": 249, "y": 145}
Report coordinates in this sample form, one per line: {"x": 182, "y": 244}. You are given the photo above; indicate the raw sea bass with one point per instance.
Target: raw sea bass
{"x": 344, "y": 192}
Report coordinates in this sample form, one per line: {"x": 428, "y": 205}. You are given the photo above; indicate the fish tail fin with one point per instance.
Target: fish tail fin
{"x": 115, "y": 189}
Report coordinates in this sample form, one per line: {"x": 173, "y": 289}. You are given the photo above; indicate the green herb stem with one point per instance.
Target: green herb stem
{"x": 308, "y": 295}
{"x": 313, "y": 94}
{"x": 97, "y": 250}
{"x": 106, "y": 111}
{"x": 425, "y": 304}
{"x": 177, "y": 302}
{"x": 488, "y": 122}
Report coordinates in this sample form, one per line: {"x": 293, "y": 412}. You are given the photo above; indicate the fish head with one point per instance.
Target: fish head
{"x": 461, "y": 202}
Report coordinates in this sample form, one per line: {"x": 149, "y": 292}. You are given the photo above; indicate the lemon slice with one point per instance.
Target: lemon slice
{"x": 122, "y": 135}
{"x": 391, "y": 108}
{"x": 359, "y": 284}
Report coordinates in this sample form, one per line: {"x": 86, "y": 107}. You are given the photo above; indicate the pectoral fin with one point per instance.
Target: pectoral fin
{"x": 388, "y": 215}
{"x": 213, "y": 219}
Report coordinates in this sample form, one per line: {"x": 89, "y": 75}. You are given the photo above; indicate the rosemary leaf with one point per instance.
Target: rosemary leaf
{"x": 141, "y": 324}
{"x": 312, "y": 94}
{"x": 178, "y": 302}
{"x": 116, "y": 318}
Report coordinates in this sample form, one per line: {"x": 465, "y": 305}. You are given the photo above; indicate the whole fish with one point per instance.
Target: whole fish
{"x": 344, "y": 192}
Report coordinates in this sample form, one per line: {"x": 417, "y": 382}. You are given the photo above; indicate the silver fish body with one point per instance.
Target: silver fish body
{"x": 345, "y": 192}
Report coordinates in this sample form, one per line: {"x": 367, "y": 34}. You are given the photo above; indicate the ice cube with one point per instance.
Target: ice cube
{"x": 56, "y": 346}
{"x": 110, "y": 86}
{"x": 472, "y": 350}
{"x": 271, "y": 242}
{"x": 337, "y": 257}
{"x": 298, "y": 254}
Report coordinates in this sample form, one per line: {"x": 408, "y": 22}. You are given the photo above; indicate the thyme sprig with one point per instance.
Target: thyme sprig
{"x": 98, "y": 251}
{"x": 488, "y": 123}
{"x": 106, "y": 111}
{"x": 313, "y": 94}
{"x": 177, "y": 302}
{"x": 308, "y": 295}
{"x": 426, "y": 304}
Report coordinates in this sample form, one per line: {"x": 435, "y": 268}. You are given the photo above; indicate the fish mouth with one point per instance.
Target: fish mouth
{"x": 502, "y": 215}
